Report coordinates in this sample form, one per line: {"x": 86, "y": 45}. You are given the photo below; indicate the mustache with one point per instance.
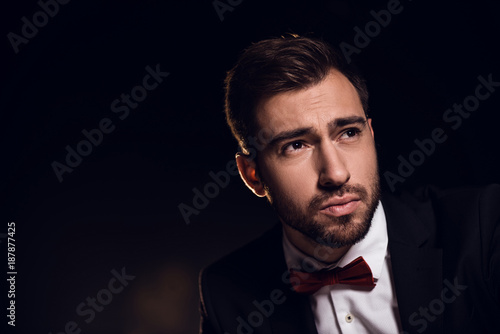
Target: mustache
{"x": 357, "y": 189}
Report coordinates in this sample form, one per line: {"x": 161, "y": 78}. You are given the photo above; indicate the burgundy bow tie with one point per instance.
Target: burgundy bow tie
{"x": 355, "y": 273}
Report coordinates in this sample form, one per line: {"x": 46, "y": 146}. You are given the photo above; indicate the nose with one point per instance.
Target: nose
{"x": 333, "y": 171}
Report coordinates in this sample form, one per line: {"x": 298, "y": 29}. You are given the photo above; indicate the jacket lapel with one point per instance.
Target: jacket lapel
{"x": 416, "y": 263}
{"x": 294, "y": 315}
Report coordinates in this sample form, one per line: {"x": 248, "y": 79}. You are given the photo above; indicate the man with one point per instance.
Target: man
{"x": 345, "y": 259}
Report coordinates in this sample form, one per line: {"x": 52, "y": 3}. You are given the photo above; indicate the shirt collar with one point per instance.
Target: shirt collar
{"x": 373, "y": 248}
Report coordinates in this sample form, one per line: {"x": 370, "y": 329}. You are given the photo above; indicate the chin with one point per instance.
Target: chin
{"x": 340, "y": 231}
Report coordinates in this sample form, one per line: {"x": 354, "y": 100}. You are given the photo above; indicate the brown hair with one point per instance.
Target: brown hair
{"x": 277, "y": 65}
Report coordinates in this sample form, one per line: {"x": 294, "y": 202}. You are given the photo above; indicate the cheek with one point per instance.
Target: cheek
{"x": 358, "y": 158}
{"x": 363, "y": 167}
{"x": 295, "y": 183}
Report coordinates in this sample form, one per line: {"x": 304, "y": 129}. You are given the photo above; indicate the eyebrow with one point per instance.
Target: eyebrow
{"x": 286, "y": 135}
{"x": 339, "y": 122}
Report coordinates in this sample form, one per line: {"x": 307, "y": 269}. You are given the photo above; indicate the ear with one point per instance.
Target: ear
{"x": 248, "y": 172}
{"x": 371, "y": 127}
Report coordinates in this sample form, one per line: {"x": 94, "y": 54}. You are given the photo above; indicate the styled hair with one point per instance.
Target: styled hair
{"x": 278, "y": 65}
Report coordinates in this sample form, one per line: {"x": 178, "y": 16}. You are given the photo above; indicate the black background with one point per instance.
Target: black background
{"x": 119, "y": 207}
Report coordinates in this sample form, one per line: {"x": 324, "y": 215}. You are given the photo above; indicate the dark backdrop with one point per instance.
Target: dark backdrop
{"x": 118, "y": 208}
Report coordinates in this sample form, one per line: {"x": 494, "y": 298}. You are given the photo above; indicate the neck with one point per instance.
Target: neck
{"x": 313, "y": 249}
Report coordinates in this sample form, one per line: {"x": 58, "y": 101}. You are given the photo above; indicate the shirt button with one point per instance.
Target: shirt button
{"x": 349, "y": 318}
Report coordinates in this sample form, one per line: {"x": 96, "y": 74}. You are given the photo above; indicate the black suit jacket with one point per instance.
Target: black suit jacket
{"x": 445, "y": 254}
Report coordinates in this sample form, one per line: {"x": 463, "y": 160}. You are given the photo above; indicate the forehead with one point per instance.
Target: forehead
{"x": 332, "y": 98}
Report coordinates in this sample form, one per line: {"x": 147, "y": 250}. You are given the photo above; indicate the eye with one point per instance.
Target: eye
{"x": 293, "y": 146}
{"x": 350, "y": 133}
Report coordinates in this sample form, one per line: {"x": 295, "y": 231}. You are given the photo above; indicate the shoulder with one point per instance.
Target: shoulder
{"x": 247, "y": 268}
{"x": 484, "y": 194}
{"x": 468, "y": 208}
{"x": 470, "y": 217}
{"x": 230, "y": 286}
{"x": 457, "y": 216}
{"x": 252, "y": 255}
{"x": 458, "y": 203}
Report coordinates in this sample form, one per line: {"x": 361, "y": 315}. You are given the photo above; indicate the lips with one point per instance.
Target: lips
{"x": 341, "y": 206}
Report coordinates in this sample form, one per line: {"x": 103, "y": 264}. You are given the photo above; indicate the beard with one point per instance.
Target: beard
{"x": 326, "y": 230}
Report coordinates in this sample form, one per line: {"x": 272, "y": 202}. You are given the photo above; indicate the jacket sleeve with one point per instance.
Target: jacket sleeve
{"x": 490, "y": 211}
{"x": 207, "y": 320}
{"x": 495, "y": 263}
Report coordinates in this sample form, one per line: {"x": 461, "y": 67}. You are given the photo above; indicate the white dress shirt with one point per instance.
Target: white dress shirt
{"x": 343, "y": 308}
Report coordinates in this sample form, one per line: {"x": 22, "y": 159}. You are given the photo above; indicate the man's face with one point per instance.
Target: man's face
{"x": 319, "y": 167}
